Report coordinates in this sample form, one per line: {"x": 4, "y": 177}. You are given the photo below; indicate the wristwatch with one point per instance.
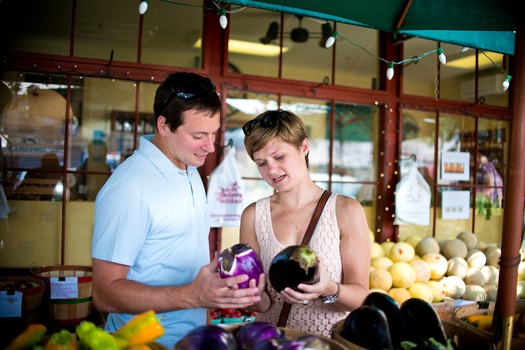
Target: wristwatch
{"x": 331, "y": 298}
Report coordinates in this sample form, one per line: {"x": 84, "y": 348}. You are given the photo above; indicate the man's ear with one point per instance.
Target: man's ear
{"x": 162, "y": 127}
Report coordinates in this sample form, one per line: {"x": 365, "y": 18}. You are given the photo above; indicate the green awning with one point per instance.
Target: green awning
{"x": 481, "y": 24}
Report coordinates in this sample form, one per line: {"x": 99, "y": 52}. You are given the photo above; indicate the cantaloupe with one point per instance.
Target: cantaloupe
{"x": 457, "y": 266}
{"x": 493, "y": 254}
{"x": 438, "y": 291}
{"x": 421, "y": 291}
{"x": 403, "y": 274}
{"x": 427, "y": 245}
{"x": 475, "y": 276}
{"x": 469, "y": 238}
{"x": 380, "y": 279}
{"x": 455, "y": 247}
{"x": 401, "y": 251}
{"x": 476, "y": 258}
{"x": 399, "y": 295}
{"x": 381, "y": 262}
{"x": 437, "y": 263}
{"x": 454, "y": 286}
{"x": 422, "y": 270}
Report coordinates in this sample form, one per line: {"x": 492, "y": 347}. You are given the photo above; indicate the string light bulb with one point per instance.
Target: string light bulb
{"x": 390, "y": 71}
{"x": 143, "y": 7}
{"x": 331, "y": 40}
{"x": 442, "y": 57}
{"x": 223, "y": 20}
{"x": 506, "y": 83}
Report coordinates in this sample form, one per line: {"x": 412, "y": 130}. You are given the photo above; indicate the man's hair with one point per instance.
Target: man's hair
{"x": 206, "y": 100}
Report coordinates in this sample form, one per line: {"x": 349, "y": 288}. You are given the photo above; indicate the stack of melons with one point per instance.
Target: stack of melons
{"x": 460, "y": 268}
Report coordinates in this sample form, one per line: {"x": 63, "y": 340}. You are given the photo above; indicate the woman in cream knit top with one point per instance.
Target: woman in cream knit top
{"x": 278, "y": 144}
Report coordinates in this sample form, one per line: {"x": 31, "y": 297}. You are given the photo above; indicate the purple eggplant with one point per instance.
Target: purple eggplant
{"x": 292, "y": 266}
{"x": 256, "y": 332}
{"x": 367, "y": 326}
{"x": 307, "y": 342}
{"x": 240, "y": 259}
{"x": 271, "y": 344}
{"x": 207, "y": 337}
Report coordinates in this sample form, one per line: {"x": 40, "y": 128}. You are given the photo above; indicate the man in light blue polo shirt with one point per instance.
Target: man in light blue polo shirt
{"x": 150, "y": 243}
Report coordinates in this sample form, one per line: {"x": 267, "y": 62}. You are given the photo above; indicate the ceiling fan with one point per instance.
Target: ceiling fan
{"x": 298, "y": 34}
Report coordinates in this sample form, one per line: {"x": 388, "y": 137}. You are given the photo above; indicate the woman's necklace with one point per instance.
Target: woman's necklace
{"x": 298, "y": 225}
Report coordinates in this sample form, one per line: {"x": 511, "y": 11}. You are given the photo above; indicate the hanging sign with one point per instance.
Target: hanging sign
{"x": 412, "y": 199}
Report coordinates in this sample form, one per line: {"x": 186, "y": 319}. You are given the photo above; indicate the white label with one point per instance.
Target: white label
{"x": 64, "y": 287}
{"x": 11, "y": 304}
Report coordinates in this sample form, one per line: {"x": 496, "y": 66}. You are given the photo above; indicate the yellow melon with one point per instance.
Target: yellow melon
{"x": 437, "y": 263}
{"x": 422, "y": 270}
{"x": 376, "y": 250}
{"x": 413, "y": 240}
{"x": 403, "y": 274}
{"x": 386, "y": 247}
{"x": 399, "y": 295}
{"x": 421, "y": 291}
{"x": 380, "y": 279}
{"x": 401, "y": 251}
{"x": 438, "y": 291}
{"x": 381, "y": 262}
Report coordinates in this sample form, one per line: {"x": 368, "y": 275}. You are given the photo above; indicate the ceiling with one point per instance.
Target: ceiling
{"x": 482, "y": 24}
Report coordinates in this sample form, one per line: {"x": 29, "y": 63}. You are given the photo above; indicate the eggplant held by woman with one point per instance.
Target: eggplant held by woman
{"x": 292, "y": 266}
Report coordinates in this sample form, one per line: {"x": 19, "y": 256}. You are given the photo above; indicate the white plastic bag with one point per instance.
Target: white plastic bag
{"x": 413, "y": 199}
{"x": 225, "y": 193}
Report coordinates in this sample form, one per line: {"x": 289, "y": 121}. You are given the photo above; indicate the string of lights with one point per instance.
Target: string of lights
{"x": 223, "y": 21}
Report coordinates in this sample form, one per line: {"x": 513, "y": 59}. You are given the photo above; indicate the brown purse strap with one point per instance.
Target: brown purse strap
{"x": 283, "y": 318}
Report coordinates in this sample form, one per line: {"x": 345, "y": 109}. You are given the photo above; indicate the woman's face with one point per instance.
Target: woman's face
{"x": 281, "y": 164}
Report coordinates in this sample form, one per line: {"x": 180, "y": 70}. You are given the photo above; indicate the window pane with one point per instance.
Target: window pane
{"x": 104, "y": 31}
{"x": 306, "y": 59}
{"x": 355, "y": 148}
{"x": 32, "y": 26}
{"x": 253, "y": 27}
{"x": 355, "y": 62}
{"x": 419, "y": 77}
{"x": 97, "y": 144}
{"x": 172, "y": 34}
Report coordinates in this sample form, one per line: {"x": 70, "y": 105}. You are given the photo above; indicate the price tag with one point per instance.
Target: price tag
{"x": 11, "y": 304}
{"x": 64, "y": 287}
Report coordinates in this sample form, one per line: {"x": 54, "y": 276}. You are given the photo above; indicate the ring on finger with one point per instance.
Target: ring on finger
{"x": 305, "y": 302}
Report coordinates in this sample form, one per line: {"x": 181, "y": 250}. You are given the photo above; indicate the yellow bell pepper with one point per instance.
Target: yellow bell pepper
{"x": 29, "y": 337}
{"x": 141, "y": 329}
{"x": 482, "y": 322}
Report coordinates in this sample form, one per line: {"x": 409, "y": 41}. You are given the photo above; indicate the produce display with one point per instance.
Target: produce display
{"x": 240, "y": 259}
{"x": 140, "y": 332}
{"x": 423, "y": 267}
{"x": 380, "y": 323}
{"x": 256, "y": 335}
{"x": 292, "y": 266}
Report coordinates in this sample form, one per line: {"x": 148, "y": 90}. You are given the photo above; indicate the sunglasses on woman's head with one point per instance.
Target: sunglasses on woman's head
{"x": 188, "y": 90}
{"x": 265, "y": 121}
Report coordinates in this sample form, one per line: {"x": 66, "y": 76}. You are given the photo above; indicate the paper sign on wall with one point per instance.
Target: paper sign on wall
{"x": 64, "y": 287}
{"x": 11, "y": 304}
{"x": 455, "y": 205}
{"x": 455, "y": 166}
